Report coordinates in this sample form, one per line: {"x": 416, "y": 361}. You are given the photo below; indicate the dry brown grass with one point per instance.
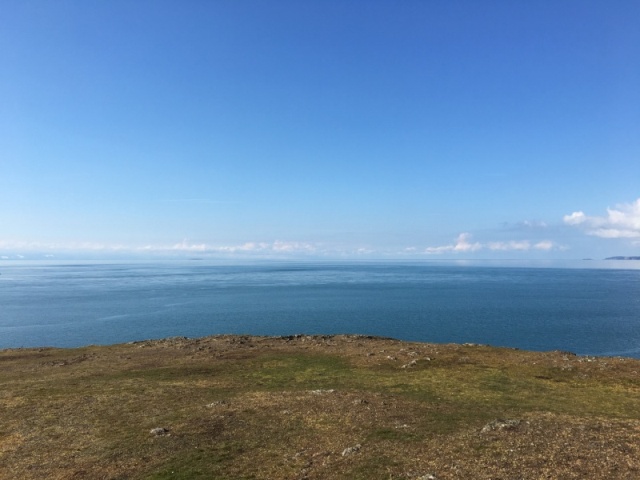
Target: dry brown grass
{"x": 271, "y": 408}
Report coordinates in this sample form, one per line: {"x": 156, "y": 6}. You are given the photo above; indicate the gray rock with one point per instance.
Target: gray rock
{"x": 350, "y": 450}
{"x": 321, "y": 392}
{"x": 499, "y": 424}
{"x": 159, "y": 431}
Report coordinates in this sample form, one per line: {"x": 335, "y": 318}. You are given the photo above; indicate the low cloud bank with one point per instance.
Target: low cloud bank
{"x": 276, "y": 247}
{"x": 464, "y": 244}
{"x": 259, "y": 248}
{"x": 623, "y": 221}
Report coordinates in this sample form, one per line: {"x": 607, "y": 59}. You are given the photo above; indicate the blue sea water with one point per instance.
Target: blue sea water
{"x": 590, "y": 311}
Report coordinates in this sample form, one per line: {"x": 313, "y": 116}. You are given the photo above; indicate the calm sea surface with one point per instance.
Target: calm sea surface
{"x": 593, "y": 309}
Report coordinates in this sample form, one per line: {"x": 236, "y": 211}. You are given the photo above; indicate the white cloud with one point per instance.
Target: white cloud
{"x": 280, "y": 246}
{"x": 184, "y": 246}
{"x": 522, "y": 245}
{"x": 275, "y": 248}
{"x": 545, "y": 245}
{"x": 42, "y": 246}
{"x": 463, "y": 244}
{"x": 247, "y": 247}
{"x": 620, "y": 222}
{"x": 576, "y": 218}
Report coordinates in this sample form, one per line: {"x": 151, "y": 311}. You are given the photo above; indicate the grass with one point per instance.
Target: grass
{"x": 269, "y": 408}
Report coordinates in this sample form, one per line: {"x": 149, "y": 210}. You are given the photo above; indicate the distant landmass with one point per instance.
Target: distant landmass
{"x": 623, "y": 258}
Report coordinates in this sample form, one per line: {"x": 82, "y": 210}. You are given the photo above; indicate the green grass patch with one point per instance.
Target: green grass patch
{"x": 274, "y": 408}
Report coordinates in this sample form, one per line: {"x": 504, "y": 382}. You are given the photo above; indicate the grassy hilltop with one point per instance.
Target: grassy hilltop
{"x": 315, "y": 407}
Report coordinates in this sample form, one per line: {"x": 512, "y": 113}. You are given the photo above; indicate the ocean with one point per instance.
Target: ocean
{"x": 589, "y": 308}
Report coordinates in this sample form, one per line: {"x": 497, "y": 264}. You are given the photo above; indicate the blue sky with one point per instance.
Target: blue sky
{"x": 330, "y": 129}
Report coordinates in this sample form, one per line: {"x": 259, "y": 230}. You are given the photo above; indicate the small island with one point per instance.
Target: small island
{"x": 623, "y": 258}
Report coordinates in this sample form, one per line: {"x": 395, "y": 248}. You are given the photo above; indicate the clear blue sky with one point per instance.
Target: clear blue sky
{"x": 351, "y": 129}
